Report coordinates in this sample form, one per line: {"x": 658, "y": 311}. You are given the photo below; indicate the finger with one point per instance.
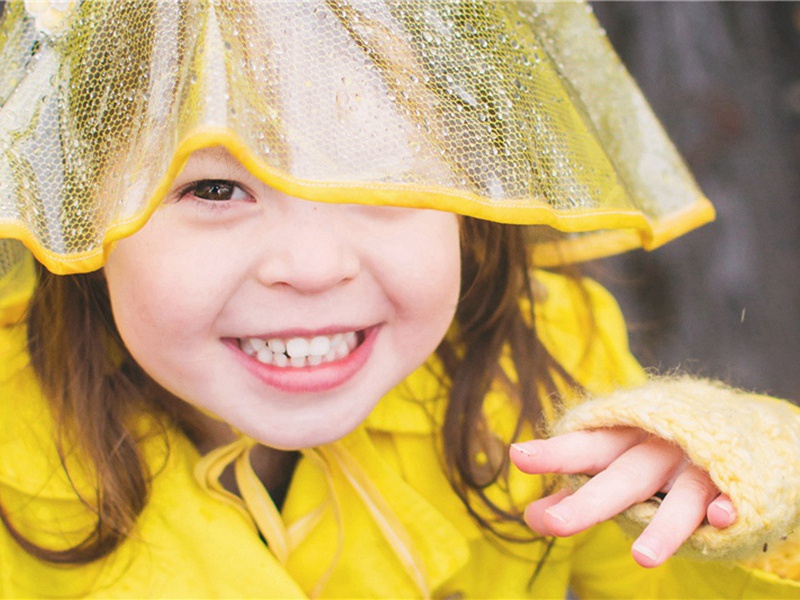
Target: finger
{"x": 534, "y": 512}
{"x": 721, "y": 513}
{"x": 633, "y": 477}
{"x": 685, "y": 463}
{"x": 681, "y": 512}
{"x": 586, "y": 452}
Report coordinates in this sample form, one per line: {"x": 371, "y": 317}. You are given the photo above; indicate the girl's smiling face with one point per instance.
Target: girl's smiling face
{"x": 287, "y": 319}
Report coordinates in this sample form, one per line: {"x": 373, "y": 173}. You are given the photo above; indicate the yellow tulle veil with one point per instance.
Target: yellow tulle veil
{"x": 516, "y": 112}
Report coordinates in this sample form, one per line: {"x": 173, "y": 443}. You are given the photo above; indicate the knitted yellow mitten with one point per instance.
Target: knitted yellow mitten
{"x": 749, "y": 444}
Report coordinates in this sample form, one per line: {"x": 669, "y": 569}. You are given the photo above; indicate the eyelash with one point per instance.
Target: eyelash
{"x": 193, "y": 188}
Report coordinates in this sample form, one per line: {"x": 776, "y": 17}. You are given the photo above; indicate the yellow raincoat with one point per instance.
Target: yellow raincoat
{"x": 369, "y": 516}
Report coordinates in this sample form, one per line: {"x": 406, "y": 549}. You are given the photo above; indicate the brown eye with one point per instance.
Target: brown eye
{"x": 217, "y": 190}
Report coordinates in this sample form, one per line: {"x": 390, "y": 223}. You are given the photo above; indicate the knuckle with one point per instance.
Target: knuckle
{"x": 696, "y": 482}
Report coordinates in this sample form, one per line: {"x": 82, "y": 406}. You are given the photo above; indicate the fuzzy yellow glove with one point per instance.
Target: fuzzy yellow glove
{"x": 749, "y": 445}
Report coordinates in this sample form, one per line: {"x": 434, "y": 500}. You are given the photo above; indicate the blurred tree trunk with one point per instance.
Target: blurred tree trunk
{"x": 724, "y": 77}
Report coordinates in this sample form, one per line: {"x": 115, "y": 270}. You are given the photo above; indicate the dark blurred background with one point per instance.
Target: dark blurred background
{"x": 724, "y": 301}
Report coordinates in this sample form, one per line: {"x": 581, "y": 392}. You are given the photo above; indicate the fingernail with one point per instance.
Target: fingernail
{"x": 525, "y": 450}
{"x": 651, "y": 549}
{"x": 726, "y": 506}
{"x": 562, "y": 514}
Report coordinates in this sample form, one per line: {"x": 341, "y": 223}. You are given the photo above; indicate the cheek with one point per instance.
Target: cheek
{"x": 154, "y": 281}
{"x": 437, "y": 263}
{"x": 163, "y": 315}
{"x": 155, "y": 295}
{"x": 426, "y": 278}
{"x": 140, "y": 313}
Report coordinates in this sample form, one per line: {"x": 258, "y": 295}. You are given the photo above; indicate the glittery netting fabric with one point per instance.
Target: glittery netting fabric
{"x": 513, "y": 112}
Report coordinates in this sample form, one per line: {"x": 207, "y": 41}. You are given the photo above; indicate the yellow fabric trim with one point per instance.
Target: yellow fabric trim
{"x": 644, "y": 232}
{"x": 208, "y": 469}
{"x": 261, "y": 506}
{"x": 600, "y": 244}
{"x": 302, "y": 528}
{"x": 384, "y": 517}
{"x": 267, "y": 518}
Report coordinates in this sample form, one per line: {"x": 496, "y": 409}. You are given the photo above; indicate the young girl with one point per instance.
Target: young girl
{"x": 282, "y": 325}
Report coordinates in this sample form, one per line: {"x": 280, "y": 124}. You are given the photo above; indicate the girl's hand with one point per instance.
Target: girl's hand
{"x": 628, "y": 466}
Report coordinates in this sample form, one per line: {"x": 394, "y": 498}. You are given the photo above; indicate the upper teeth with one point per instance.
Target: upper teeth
{"x": 300, "y": 351}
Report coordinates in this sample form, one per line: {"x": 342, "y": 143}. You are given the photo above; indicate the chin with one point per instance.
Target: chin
{"x": 301, "y": 437}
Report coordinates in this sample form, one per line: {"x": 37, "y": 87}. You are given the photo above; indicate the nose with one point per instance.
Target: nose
{"x": 307, "y": 247}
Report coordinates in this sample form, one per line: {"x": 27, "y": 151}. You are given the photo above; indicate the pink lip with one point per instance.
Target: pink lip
{"x": 319, "y": 378}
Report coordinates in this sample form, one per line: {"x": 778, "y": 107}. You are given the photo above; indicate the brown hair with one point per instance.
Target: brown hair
{"x": 96, "y": 388}
{"x": 495, "y": 315}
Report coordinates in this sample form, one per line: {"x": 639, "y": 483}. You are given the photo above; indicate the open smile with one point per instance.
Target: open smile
{"x": 311, "y": 363}
{"x": 301, "y": 352}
